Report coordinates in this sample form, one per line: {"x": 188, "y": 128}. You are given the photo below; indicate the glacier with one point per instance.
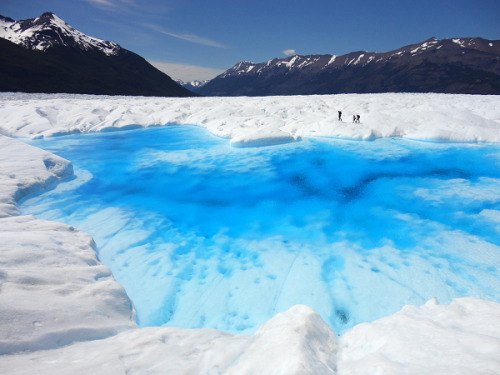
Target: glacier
{"x": 62, "y": 311}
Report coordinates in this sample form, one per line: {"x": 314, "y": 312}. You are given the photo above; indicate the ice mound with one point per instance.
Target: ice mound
{"x": 26, "y": 170}
{"x": 460, "y": 338}
{"x": 54, "y": 289}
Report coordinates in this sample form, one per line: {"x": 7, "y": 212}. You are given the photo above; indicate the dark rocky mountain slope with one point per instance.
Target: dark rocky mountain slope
{"x": 465, "y": 65}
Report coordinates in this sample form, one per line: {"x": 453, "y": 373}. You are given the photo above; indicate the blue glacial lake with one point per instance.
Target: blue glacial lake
{"x": 202, "y": 234}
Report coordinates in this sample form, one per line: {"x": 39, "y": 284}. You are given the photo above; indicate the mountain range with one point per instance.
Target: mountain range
{"x": 47, "y": 55}
{"x": 460, "y": 65}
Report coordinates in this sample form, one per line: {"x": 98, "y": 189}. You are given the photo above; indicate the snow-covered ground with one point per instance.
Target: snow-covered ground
{"x": 262, "y": 120}
{"x": 62, "y": 312}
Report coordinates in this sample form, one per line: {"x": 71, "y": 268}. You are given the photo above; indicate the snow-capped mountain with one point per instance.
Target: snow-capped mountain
{"x": 461, "y": 65}
{"x": 192, "y": 85}
{"x": 45, "y": 54}
{"x": 49, "y": 30}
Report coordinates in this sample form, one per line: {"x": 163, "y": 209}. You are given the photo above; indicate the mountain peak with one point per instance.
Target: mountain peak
{"x": 48, "y": 14}
{"x": 49, "y": 18}
{"x": 6, "y": 20}
{"x": 46, "y": 17}
{"x": 48, "y": 31}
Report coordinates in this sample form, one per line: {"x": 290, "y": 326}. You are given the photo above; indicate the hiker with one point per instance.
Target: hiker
{"x": 354, "y": 118}
{"x": 340, "y": 115}
{"x": 357, "y": 118}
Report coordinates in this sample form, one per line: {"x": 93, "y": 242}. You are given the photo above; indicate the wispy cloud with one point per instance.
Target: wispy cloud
{"x": 110, "y": 4}
{"x": 289, "y": 52}
{"x": 188, "y": 37}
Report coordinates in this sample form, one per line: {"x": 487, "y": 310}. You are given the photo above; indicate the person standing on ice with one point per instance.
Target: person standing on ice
{"x": 340, "y": 115}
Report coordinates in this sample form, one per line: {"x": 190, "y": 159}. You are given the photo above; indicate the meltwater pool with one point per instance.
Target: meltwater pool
{"x": 202, "y": 234}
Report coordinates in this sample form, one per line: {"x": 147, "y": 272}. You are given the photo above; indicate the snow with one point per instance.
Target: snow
{"x": 431, "y": 339}
{"x": 424, "y": 46}
{"x": 54, "y": 289}
{"x": 109, "y": 48}
{"x": 31, "y": 171}
{"x": 460, "y": 42}
{"x": 359, "y": 59}
{"x": 332, "y": 60}
{"x": 61, "y": 311}
{"x": 4, "y": 24}
{"x": 461, "y": 118}
{"x": 290, "y": 64}
{"x": 418, "y": 339}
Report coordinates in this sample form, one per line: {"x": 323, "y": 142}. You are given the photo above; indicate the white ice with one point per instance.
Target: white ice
{"x": 62, "y": 312}
{"x": 262, "y": 120}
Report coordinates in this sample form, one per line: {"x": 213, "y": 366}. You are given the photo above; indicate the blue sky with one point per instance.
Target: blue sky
{"x": 197, "y": 39}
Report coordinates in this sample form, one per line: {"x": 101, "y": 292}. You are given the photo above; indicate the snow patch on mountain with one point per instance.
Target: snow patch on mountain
{"x": 332, "y": 60}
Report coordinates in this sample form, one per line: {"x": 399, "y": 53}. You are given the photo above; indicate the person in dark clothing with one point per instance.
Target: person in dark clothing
{"x": 340, "y": 115}
{"x": 357, "y": 118}
{"x": 354, "y": 118}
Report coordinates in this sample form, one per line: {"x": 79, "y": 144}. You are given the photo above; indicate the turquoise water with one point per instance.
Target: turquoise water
{"x": 202, "y": 234}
